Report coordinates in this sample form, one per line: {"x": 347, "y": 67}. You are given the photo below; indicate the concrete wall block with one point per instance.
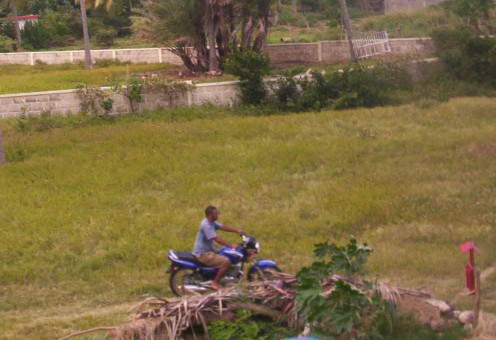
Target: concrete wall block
{"x": 120, "y": 100}
{"x": 13, "y": 107}
{"x": 34, "y": 107}
{"x": 66, "y": 103}
{"x": 55, "y": 97}
{"x": 43, "y": 98}
{"x": 6, "y": 101}
{"x": 48, "y": 106}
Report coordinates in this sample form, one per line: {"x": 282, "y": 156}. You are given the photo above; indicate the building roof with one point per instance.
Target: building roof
{"x": 23, "y": 17}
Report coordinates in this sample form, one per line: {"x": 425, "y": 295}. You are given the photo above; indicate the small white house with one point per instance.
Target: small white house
{"x": 23, "y": 19}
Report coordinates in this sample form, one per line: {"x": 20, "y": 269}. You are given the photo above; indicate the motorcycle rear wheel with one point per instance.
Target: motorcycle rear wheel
{"x": 179, "y": 279}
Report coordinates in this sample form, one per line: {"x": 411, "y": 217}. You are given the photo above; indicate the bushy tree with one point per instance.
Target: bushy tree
{"x": 193, "y": 28}
{"x": 467, "y": 56}
{"x": 475, "y": 12}
{"x": 36, "y": 36}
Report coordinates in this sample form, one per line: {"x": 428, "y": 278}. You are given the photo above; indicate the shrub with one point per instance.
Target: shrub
{"x": 104, "y": 37}
{"x": 6, "y": 44}
{"x": 348, "y": 309}
{"x": 355, "y": 86}
{"x": 93, "y": 100}
{"x": 62, "y": 26}
{"x": 467, "y": 56}
{"x": 250, "y": 67}
{"x": 36, "y": 36}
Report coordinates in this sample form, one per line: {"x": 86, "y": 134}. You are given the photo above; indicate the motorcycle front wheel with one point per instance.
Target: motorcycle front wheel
{"x": 264, "y": 274}
{"x": 182, "y": 282}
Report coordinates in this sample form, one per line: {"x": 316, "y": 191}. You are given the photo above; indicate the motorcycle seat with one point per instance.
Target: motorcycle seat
{"x": 188, "y": 256}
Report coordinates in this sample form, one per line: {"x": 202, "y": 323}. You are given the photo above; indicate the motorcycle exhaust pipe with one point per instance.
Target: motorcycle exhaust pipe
{"x": 194, "y": 288}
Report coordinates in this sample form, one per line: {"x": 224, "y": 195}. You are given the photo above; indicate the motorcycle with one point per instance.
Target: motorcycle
{"x": 189, "y": 276}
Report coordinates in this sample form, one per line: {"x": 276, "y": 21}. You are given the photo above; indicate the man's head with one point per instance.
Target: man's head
{"x": 211, "y": 213}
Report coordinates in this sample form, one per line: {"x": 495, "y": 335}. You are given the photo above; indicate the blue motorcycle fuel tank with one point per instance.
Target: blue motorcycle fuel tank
{"x": 235, "y": 255}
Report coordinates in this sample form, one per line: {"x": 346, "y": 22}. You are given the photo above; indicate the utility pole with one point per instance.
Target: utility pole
{"x": 345, "y": 17}
{"x": 17, "y": 27}
{"x": 88, "y": 63}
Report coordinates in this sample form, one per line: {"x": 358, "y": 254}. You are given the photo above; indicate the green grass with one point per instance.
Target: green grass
{"x": 414, "y": 23}
{"x": 303, "y": 34}
{"x": 23, "y": 78}
{"x": 88, "y": 213}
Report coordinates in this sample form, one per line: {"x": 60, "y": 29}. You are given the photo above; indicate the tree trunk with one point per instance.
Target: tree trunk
{"x": 213, "y": 66}
{"x": 17, "y": 27}
{"x": 277, "y": 11}
{"x": 347, "y": 26}
{"x": 2, "y": 152}
{"x": 295, "y": 6}
{"x": 88, "y": 63}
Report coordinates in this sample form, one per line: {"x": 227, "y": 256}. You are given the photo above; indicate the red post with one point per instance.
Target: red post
{"x": 470, "y": 267}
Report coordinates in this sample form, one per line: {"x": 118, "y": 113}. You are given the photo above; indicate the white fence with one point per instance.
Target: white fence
{"x": 135, "y": 55}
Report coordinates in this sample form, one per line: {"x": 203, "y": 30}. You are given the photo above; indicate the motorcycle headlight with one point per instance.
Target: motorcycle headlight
{"x": 257, "y": 247}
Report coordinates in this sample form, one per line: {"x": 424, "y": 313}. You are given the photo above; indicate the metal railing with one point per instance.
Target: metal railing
{"x": 368, "y": 44}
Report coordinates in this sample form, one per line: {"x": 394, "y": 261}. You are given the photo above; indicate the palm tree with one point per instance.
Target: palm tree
{"x": 213, "y": 65}
{"x": 345, "y": 17}
{"x": 212, "y": 18}
{"x": 88, "y": 62}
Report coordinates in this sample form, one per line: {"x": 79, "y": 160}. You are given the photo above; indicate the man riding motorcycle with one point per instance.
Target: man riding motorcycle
{"x": 204, "y": 249}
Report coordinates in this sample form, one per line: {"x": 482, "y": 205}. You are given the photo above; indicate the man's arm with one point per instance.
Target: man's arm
{"x": 224, "y": 243}
{"x": 231, "y": 230}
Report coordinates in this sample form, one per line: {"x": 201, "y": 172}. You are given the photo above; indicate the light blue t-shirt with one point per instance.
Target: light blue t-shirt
{"x": 204, "y": 240}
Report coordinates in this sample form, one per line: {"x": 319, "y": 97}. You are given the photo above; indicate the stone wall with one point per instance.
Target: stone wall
{"x": 280, "y": 54}
{"x": 338, "y": 51}
{"x": 66, "y": 101}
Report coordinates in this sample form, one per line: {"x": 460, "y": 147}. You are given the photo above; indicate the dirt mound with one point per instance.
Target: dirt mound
{"x": 486, "y": 330}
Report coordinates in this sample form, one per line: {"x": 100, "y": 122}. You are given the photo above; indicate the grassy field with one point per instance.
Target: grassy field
{"x": 25, "y": 78}
{"x": 87, "y": 214}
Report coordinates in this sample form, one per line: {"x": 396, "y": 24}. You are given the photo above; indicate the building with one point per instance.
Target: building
{"x": 403, "y": 5}
{"x": 23, "y": 19}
